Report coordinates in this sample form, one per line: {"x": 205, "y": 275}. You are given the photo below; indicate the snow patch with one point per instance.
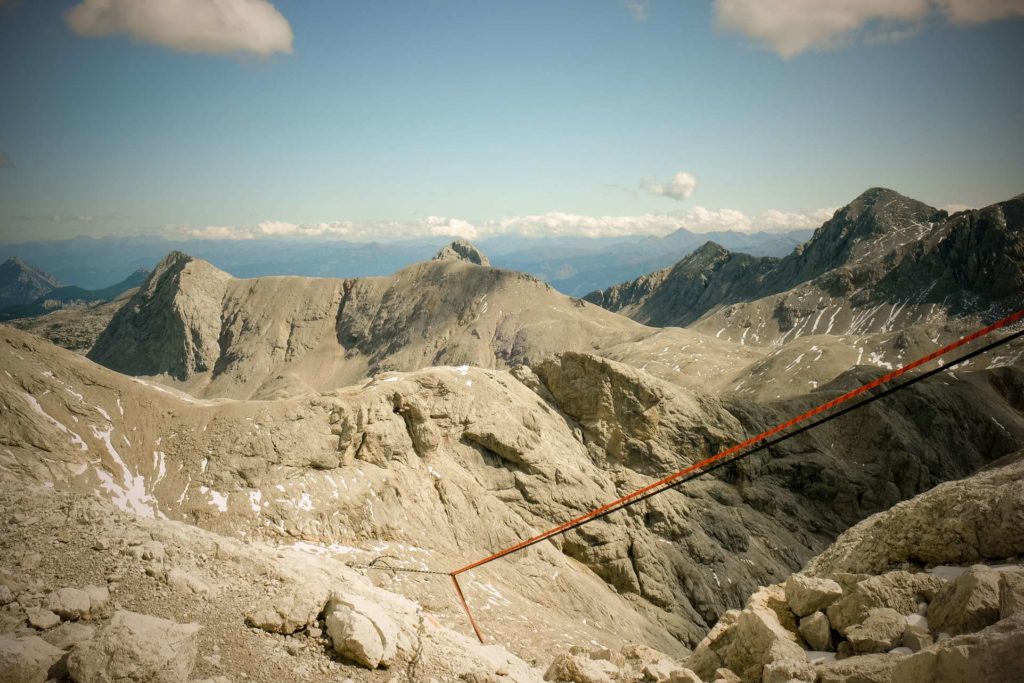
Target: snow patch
{"x": 75, "y": 438}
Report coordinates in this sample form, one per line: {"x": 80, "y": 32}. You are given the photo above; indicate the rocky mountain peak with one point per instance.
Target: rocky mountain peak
{"x": 707, "y": 253}
{"x": 463, "y": 250}
{"x": 179, "y": 308}
{"x": 22, "y": 283}
{"x": 877, "y": 212}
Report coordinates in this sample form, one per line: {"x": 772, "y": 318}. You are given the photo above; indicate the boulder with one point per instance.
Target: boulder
{"x": 136, "y": 647}
{"x": 151, "y": 551}
{"x": 69, "y": 634}
{"x": 99, "y": 601}
{"x": 707, "y": 658}
{"x": 41, "y": 619}
{"x": 90, "y": 602}
{"x": 187, "y": 582}
{"x": 881, "y": 631}
{"x": 1011, "y": 593}
{"x": 916, "y": 637}
{"x": 361, "y": 631}
{"x": 875, "y": 668}
{"x": 683, "y": 676}
{"x": 290, "y": 610}
{"x": 967, "y": 604}
{"x": 578, "y": 668}
{"x": 807, "y": 594}
{"x": 27, "y": 660}
{"x": 815, "y": 629}
{"x": 786, "y": 670}
{"x": 994, "y": 655}
{"x": 760, "y": 639}
{"x": 725, "y": 676}
{"x": 70, "y": 603}
{"x": 901, "y": 591}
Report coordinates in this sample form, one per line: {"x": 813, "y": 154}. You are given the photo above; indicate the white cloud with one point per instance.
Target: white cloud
{"x": 212, "y": 232}
{"x": 209, "y": 26}
{"x": 552, "y": 224}
{"x": 638, "y": 8}
{"x": 772, "y": 219}
{"x": 454, "y": 227}
{"x": 681, "y": 186}
{"x": 790, "y": 27}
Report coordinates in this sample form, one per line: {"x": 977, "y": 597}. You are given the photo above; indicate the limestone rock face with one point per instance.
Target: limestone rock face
{"x": 136, "y": 647}
{"x": 968, "y": 604}
{"x": 994, "y": 654}
{"x": 462, "y": 250}
{"x": 956, "y": 523}
{"x": 171, "y": 325}
{"x": 807, "y": 594}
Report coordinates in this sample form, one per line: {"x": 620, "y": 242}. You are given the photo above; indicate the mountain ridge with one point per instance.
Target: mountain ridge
{"x": 21, "y": 283}
{"x": 881, "y": 249}
{"x": 221, "y": 335}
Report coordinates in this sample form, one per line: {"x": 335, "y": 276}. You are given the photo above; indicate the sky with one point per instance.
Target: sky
{"x": 243, "y": 119}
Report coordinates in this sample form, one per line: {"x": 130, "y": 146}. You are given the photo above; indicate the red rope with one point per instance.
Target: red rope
{"x": 1008, "y": 320}
{"x": 465, "y": 606}
{"x": 828, "y": 405}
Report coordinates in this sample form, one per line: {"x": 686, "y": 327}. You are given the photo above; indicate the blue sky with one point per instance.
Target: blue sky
{"x": 401, "y": 118}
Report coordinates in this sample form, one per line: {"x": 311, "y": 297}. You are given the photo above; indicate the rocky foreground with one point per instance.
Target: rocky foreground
{"x": 885, "y": 603}
{"x": 92, "y": 594}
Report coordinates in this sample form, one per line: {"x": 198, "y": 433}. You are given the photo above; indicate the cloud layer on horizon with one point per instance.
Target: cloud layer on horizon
{"x": 552, "y": 224}
{"x": 790, "y": 27}
{"x": 245, "y": 27}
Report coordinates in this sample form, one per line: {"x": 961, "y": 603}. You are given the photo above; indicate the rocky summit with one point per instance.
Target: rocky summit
{"x": 271, "y": 478}
{"x": 462, "y": 250}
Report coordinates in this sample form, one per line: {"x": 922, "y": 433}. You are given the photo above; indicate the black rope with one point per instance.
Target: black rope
{"x": 384, "y": 566}
{"x": 779, "y": 439}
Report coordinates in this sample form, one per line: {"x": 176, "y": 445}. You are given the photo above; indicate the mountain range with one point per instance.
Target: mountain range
{"x": 70, "y": 297}
{"x": 572, "y": 265}
{"x": 262, "y": 440}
